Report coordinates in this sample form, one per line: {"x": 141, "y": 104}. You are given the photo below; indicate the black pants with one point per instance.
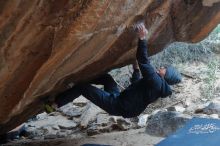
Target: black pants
{"x": 105, "y": 99}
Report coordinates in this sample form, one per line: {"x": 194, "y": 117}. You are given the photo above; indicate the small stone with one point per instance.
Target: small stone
{"x": 67, "y": 124}
{"x": 188, "y": 102}
{"x": 71, "y": 110}
{"x": 213, "y": 107}
{"x": 123, "y": 124}
{"x": 158, "y": 111}
{"x": 112, "y": 123}
{"x": 204, "y": 100}
{"x": 193, "y": 108}
{"x": 80, "y": 101}
{"x": 89, "y": 114}
{"x": 143, "y": 120}
{"x": 42, "y": 116}
{"x": 64, "y": 133}
{"x": 63, "y": 130}
{"x": 214, "y": 116}
{"x": 55, "y": 127}
{"x": 61, "y": 134}
{"x": 176, "y": 109}
{"x": 50, "y": 136}
{"x": 102, "y": 119}
{"x": 54, "y": 114}
{"x": 93, "y": 130}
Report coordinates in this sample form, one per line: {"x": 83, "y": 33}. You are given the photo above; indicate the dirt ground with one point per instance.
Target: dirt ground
{"x": 133, "y": 137}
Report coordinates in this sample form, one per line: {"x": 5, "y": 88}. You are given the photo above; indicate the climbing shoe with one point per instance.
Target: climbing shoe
{"x": 49, "y": 108}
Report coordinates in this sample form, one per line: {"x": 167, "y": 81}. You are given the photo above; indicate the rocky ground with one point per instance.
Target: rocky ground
{"x": 82, "y": 122}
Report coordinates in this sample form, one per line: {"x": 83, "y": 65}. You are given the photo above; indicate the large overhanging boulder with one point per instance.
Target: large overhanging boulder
{"x": 47, "y": 44}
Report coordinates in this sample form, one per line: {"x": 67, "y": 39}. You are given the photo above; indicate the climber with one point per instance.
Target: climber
{"x": 134, "y": 99}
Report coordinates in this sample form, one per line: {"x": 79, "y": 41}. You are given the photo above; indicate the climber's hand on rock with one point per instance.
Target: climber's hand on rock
{"x": 142, "y": 31}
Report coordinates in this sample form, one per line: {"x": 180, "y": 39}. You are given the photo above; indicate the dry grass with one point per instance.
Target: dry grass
{"x": 178, "y": 52}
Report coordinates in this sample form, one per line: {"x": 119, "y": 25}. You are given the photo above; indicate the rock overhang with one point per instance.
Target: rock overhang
{"x": 45, "y": 45}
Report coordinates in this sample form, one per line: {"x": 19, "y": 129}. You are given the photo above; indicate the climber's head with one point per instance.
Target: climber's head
{"x": 170, "y": 74}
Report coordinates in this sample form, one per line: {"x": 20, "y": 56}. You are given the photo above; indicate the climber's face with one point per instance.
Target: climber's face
{"x": 161, "y": 71}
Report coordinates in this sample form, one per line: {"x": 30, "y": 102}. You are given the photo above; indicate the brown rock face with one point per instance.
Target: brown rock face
{"x": 46, "y": 44}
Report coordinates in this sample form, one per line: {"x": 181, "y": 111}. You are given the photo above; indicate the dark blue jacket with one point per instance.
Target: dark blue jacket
{"x": 134, "y": 99}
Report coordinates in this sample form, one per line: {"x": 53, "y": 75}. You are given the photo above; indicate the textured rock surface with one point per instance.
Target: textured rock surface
{"x": 46, "y": 44}
{"x": 213, "y": 107}
{"x": 49, "y": 126}
{"x": 164, "y": 123}
{"x": 71, "y": 110}
{"x": 89, "y": 114}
